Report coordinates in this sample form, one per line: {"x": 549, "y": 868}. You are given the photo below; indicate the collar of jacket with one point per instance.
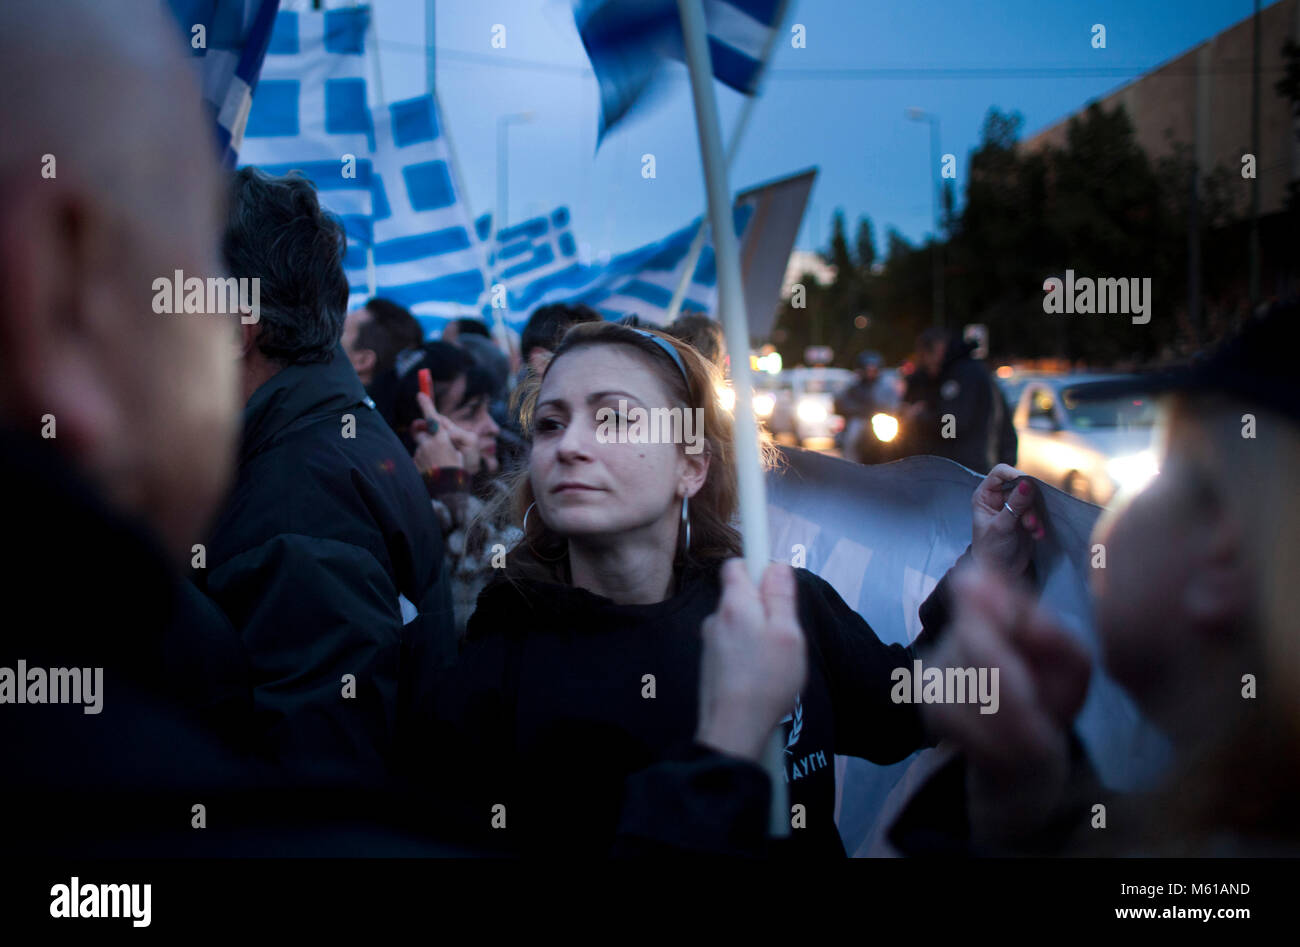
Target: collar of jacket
{"x": 300, "y": 394}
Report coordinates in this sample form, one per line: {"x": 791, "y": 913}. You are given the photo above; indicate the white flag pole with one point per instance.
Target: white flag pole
{"x": 731, "y": 306}
{"x": 372, "y": 37}
{"x": 733, "y": 148}
{"x": 697, "y": 243}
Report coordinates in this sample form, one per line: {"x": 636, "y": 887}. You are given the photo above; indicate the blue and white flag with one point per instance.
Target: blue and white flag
{"x": 311, "y": 114}
{"x": 637, "y": 283}
{"x": 428, "y": 257}
{"x": 228, "y": 41}
{"x": 525, "y": 252}
{"x": 627, "y": 41}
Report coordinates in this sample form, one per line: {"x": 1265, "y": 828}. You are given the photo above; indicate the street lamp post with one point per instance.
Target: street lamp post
{"x": 920, "y": 115}
{"x": 503, "y": 165}
{"x": 499, "y": 218}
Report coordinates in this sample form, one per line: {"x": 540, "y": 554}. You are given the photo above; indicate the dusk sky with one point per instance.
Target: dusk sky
{"x": 838, "y": 103}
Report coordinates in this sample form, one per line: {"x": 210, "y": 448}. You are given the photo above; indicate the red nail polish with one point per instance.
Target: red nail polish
{"x": 1024, "y": 487}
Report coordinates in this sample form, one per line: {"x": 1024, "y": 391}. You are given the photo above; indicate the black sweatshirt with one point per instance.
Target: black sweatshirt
{"x": 577, "y": 715}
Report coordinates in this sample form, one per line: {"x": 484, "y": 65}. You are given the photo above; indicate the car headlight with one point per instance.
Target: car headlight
{"x": 884, "y": 426}
{"x": 727, "y": 397}
{"x": 764, "y": 405}
{"x": 1132, "y": 472}
{"x": 812, "y": 411}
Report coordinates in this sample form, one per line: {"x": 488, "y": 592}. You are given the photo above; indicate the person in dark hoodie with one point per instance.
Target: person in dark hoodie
{"x": 326, "y": 556}
{"x": 585, "y": 685}
{"x": 956, "y": 409}
{"x": 1195, "y": 610}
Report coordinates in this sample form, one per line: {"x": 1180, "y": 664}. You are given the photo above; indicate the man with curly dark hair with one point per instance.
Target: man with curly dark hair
{"x": 327, "y": 557}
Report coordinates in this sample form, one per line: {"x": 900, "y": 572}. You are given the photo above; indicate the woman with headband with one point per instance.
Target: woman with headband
{"x": 620, "y": 676}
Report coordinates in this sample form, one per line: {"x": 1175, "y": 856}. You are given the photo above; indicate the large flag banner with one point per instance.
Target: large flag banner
{"x": 228, "y": 41}
{"x": 637, "y": 283}
{"x": 428, "y": 257}
{"x": 884, "y": 536}
{"x": 310, "y": 114}
{"x": 627, "y": 41}
{"x": 536, "y": 262}
{"x": 765, "y": 251}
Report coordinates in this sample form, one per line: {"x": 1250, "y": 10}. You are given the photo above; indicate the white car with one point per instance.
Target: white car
{"x": 1091, "y": 449}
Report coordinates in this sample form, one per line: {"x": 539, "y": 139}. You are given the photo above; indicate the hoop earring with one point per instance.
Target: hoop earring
{"x": 530, "y": 543}
{"x": 686, "y": 521}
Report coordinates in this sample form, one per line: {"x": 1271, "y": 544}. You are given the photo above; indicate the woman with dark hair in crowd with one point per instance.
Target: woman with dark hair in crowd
{"x": 452, "y": 438}
{"x": 581, "y": 672}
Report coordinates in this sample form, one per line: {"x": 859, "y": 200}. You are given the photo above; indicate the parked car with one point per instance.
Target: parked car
{"x": 1013, "y": 386}
{"x": 1091, "y": 449}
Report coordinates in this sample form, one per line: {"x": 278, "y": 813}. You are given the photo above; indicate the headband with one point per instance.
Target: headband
{"x": 672, "y": 353}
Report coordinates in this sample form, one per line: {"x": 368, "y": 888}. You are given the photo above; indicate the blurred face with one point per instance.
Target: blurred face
{"x": 147, "y": 402}
{"x": 1170, "y": 584}
{"x": 173, "y": 455}
{"x": 931, "y": 359}
{"x": 472, "y": 415}
{"x": 363, "y": 361}
{"x": 601, "y": 490}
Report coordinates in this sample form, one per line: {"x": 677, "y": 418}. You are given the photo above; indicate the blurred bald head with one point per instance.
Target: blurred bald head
{"x": 109, "y": 181}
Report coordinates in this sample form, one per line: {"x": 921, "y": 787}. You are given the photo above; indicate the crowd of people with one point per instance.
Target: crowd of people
{"x": 355, "y": 592}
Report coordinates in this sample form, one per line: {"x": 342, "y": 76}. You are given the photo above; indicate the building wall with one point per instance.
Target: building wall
{"x": 1203, "y": 98}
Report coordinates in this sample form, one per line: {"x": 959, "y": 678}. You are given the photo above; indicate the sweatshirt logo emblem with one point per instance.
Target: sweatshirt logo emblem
{"x": 795, "y": 719}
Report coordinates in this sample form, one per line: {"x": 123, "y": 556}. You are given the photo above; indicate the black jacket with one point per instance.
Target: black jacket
{"x": 124, "y": 782}
{"x": 551, "y": 717}
{"x": 327, "y": 525}
{"x": 982, "y": 429}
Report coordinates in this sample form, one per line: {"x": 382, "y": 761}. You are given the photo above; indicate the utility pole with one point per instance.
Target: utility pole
{"x": 1254, "y": 183}
{"x": 920, "y": 115}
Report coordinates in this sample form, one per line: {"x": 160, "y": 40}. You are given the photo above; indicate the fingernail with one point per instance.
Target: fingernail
{"x": 1023, "y": 489}
{"x": 1031, "y": 522}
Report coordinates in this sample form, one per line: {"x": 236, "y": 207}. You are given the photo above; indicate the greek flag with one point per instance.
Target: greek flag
{"x": 528, "y": 251}
{"x": 637, "y": 283}
{"x": 627, "y": 41}
{"x": 428, "y": 257}
{"x": 228, "y": 41}
{"x": 311, "y": 115}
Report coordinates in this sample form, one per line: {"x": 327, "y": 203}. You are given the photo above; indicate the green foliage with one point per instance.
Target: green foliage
{"x": 1097, "y": 205}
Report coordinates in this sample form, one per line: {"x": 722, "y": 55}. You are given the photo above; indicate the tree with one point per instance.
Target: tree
{"x": 838, "y": 255}
{"x": 865, "y": 246}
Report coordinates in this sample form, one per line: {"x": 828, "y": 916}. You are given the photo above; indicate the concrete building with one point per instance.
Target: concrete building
{"x": 1203, "y": 99}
